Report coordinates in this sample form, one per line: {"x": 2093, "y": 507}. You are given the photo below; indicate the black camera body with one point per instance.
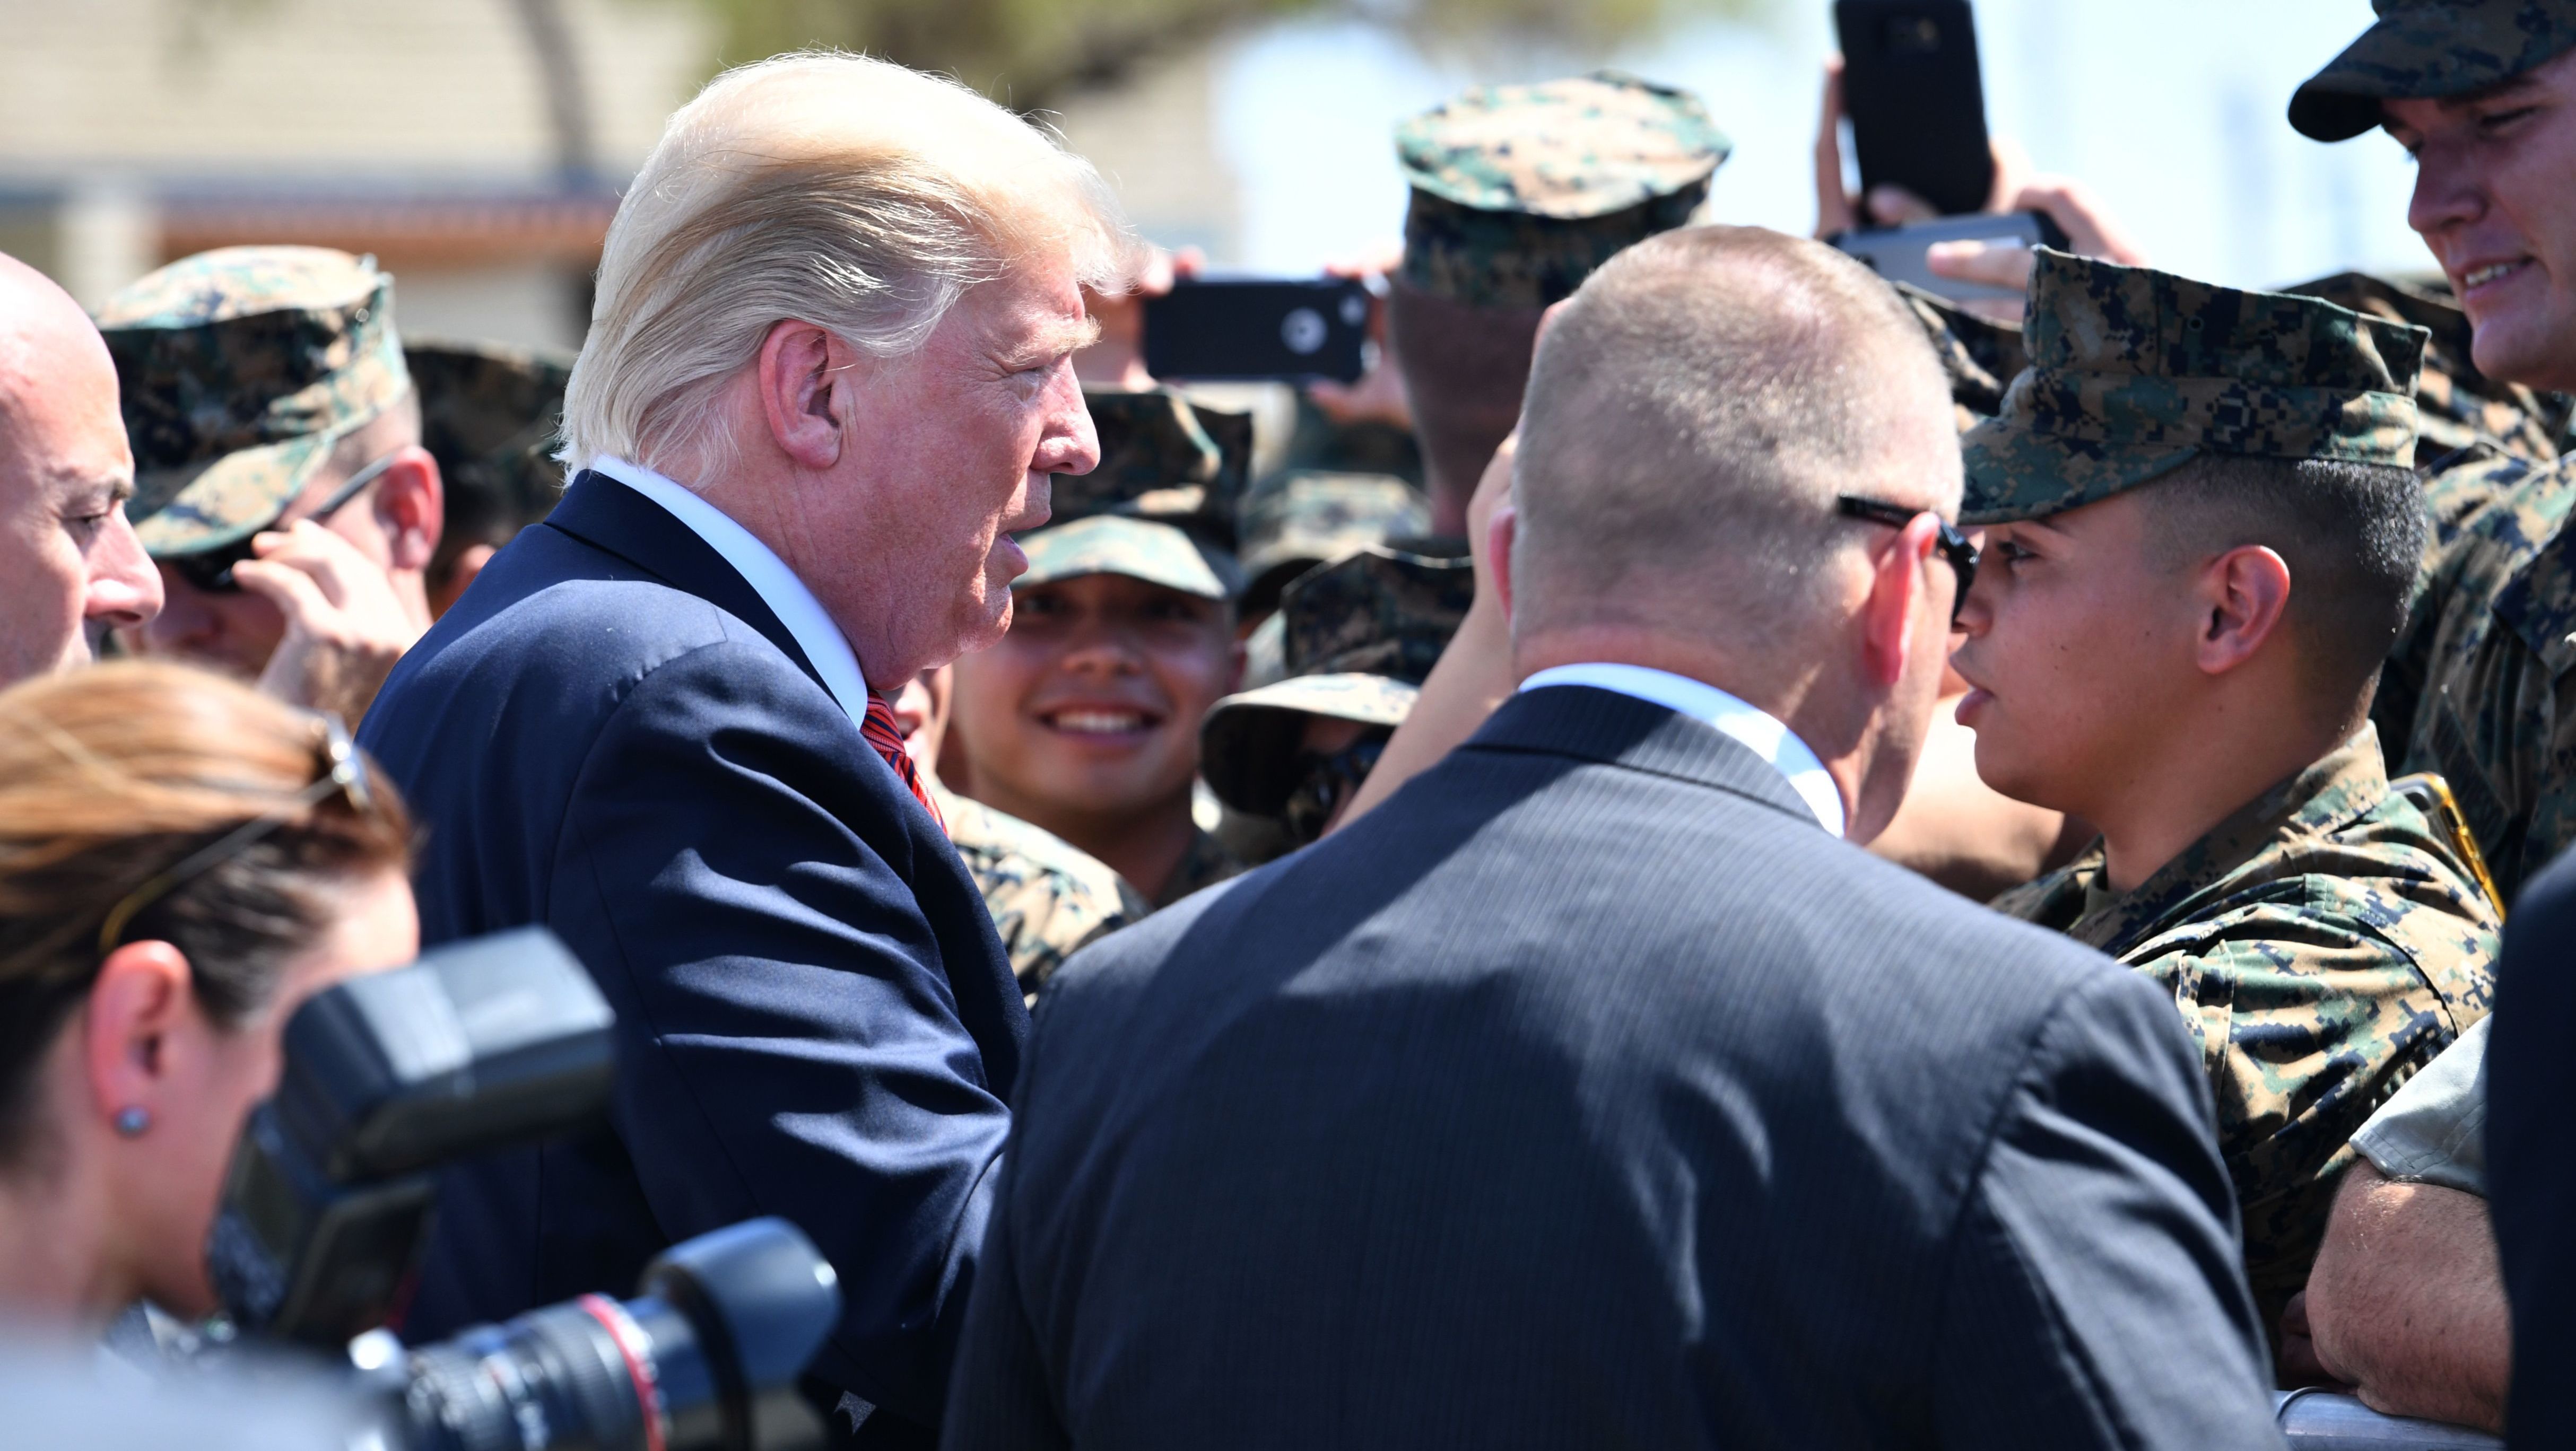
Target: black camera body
{"x": 480, "y": 1046}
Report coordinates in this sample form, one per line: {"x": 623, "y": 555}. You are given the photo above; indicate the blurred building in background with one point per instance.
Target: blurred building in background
{"x": 473, "y": 146}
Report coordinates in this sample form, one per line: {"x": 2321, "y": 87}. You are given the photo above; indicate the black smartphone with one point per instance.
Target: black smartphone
{"x": 1899, "y": 254}
{"x": 1916, "y": 100}
{"x": 1244, "y": 328}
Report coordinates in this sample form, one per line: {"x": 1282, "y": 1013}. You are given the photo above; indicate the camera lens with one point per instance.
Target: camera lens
{"x": 708, "y": 1356}
{"x": 587, "y": 1373}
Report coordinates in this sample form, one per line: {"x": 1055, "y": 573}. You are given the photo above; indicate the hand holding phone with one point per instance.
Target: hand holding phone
{"x": 1916, "y": 100}
{"x": 1259, "y": 329}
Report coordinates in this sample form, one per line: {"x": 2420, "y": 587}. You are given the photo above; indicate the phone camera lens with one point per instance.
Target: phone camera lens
{"x": 1303, "y": 331}
{"x": 1914, "y": 35}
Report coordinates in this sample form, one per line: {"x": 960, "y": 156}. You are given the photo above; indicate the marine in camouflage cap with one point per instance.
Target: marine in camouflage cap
{"x": 1297, "y": 520}
{"x": 2327, "y": 938}
{"x": 1521, "y": 191}
{"x": 1359, "y": 638}
{"x": 2429, "y": 49}
{"x": 2134, "y": 373}
{"x": 240, "y": 370}
{"x": 1161, "y": 505}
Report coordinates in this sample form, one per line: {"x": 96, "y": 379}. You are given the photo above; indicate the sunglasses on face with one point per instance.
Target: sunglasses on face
{"x": 1955, "y": 547}
{"x": 1324, "y": 781}
{"x": 211, "y": 570}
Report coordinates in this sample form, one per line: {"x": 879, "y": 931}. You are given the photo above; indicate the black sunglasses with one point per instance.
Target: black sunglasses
{"x": 1322, "y": 782}
{"x": 211, "y": 570}
{"x": 1954, "y": 545}
{"x": 343, "y": 773}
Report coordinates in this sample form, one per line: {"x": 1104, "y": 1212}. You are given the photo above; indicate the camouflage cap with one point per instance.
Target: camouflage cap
{"x": 2457, "y": 406}
{"x": 1305, "y": 517}
{"x": 239, "y": 370}
{"x": 1146, "y": 549}
{"x": 1161, "y": 505}
{"x": 1360, "y": 636}
{"x": 2429, "y": 49}
{"x": 2134, "y": 373}
{"x": 488, "y": 414}
{"x": 1519, "y": 192}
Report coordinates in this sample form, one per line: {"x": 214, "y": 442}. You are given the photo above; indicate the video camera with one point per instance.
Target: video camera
{"x": 480, "y": 1046}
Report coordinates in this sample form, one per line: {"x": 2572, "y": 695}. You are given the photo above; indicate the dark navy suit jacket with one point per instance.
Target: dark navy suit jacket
{"x": 612, "y": 735}
{"x": 1588, "y": 1094}
{"x": 2531, "y": 1153}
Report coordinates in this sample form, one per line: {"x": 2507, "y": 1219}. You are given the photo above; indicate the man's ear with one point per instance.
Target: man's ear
{"x": 2243, "y": 594}
{"x": 1896, "y": 590}
{"x": 1500, "y": 531}
{"x": 803, "y": 372}
{"x": 411, "y": 508}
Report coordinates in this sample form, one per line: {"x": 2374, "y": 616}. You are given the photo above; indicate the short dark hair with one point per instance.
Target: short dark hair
{"x": 1464, "y": 371}
{"x": 2352, "y": 534}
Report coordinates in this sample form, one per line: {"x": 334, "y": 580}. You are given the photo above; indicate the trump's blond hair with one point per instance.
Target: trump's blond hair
{"x": 834, "y": 189}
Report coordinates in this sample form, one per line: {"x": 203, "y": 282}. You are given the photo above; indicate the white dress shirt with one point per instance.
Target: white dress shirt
{"x": 1770, "y": 740}
{"x": 766, "y": 573}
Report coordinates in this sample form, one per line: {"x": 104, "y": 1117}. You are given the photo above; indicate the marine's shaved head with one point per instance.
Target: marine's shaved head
{"x": 1692, "y": 414}
{"x": 70, "y": 567}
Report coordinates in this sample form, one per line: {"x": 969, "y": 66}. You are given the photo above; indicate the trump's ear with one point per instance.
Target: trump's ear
{"x": 804, "y": 385}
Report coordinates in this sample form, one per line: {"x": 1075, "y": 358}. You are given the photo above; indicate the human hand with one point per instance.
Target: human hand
{"x": 1837, "y": 210}
{"x": 1117, "y": 359}
{"x": 2299, "y": 1363}
{"x": 2091, "y": 231}
{"x": 1379, "y": 394}
{"x": 345, "y": 626}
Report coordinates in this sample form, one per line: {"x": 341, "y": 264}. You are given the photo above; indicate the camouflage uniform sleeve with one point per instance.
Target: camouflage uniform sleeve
{"x": 2484, "y": 710}
{"x": 2311, "y": 1003}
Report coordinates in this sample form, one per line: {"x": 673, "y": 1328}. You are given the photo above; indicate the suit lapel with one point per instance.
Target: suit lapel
{"x": 607, "y": 515}
{"x": 1621, "y": 730}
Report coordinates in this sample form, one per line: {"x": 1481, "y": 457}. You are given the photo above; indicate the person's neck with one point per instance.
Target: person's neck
{"x": 2200, "y": 778}
{"x": 53, "y": 1259}
{"x": 1799, "y": 697}
{"x": 1146, "y": 846}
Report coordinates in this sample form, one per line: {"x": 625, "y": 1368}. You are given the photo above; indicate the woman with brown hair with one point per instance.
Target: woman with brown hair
{"x": 182, "y": 862}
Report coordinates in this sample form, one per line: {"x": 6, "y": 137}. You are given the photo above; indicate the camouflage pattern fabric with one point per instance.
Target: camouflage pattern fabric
{"x": 1157, "y": 553}
{"x": 239, "y": 370}
{"x": 1358, "y": 639}
{"x": 1161, "y": 457}
{"x": 1049, "y": 898}
{"x": 2429, "y": 48}
{"x": 2459, "y": 409}
{"x": 488, "y": 414}
{"x": 2134, "y": 373}
{"x": 1520, "y": 191}
{"x": 2483, "y": 681}
{"x": 1160, "y": 507}
{"x": 1980, "y": 355}
{"x": 1297, "y": 520}
{"x": 2322, "y": 944}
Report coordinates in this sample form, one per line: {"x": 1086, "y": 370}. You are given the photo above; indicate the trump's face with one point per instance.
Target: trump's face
{"x": 957, "y": 442}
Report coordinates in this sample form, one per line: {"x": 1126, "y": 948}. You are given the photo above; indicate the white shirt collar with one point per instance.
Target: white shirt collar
{"x": 766, "y": 573}
{"x": 1768, "y": 738}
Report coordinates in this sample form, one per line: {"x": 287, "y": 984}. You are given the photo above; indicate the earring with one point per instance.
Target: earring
{"x": 132, "y": 1120}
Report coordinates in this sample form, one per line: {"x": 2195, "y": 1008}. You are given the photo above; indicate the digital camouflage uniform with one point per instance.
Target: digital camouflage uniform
{"x": 1160, "y": 507}
{"x": 1359, "y": 636}
{"x": 239, "y": 371}
{"x": 2482, "y": 685}
{"x": 1520, "y": 192}
{"x": 2324, "y": 941}
{"x": 1049, "y": 898}
{"x": 1980, "y": 355}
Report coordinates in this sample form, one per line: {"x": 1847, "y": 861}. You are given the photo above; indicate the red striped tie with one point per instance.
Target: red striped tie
{"x": 879, "y": 727}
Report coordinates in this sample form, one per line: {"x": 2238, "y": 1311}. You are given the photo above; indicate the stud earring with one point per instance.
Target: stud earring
{"x": 132, "y": 1120}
